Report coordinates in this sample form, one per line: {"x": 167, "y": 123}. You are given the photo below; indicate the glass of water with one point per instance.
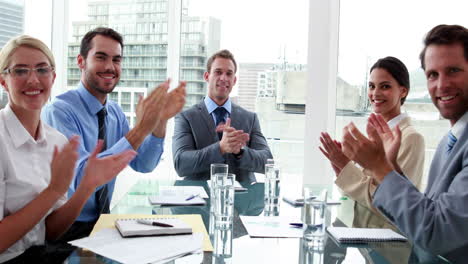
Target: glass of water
{"x": 220, "y": 170}
{"x": 223, "y": 201}
{"x": 314, "y": 214}
{"x": 222, "y": 245}
{"x": 272, "y": 190}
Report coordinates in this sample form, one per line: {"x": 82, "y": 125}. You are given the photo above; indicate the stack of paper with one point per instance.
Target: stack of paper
{"x": 154, "y": 249}
{"x": 271, "y": 226}
{"x": 364, "y": 235}
{"x": 179, "y": 195}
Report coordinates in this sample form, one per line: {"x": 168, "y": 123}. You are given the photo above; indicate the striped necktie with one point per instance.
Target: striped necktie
{"x": 451, "y": 140}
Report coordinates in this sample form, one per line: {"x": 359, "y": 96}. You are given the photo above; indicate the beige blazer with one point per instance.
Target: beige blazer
{"x": 359, "y": 186}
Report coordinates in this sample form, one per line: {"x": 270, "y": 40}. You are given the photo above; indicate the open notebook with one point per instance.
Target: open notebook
{"x": 365, "y": 235}
{"x": 133, "y": 227}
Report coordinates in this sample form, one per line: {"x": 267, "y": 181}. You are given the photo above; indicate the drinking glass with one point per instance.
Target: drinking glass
{"x": 224, "y": 200}
{"x": 220, "y": 170}
{"x": 272, "y": 190}
{"x": 314, "y": 214}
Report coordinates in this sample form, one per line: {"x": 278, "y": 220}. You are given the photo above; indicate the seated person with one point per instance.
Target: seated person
{"x": 436, "y": 220}
{"x": 36, "y": 161}
{"x": 86, "y": 112}
{"x": 389, "y": 85}
{"x": 219, "y": 131}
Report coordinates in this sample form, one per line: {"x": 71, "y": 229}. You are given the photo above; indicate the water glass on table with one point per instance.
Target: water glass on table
{"x": 272, "y": 190}
{"x": 222, "y": 253}
{"x": 218, "y": 169}
{"x": 224, "y": 201}
{"x": 314, "y": 214}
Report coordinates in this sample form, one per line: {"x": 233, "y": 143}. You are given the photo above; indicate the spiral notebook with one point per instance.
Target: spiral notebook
{"x": 365, "y": 235}
{"x": 132, "y": 228}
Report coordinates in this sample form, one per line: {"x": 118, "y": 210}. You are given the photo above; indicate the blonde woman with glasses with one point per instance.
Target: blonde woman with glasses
{"x": 36, "y": 161}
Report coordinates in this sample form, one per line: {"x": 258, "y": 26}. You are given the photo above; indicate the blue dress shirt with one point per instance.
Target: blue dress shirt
{"x": 75, "y": 113}
{"x": 211, "y": 106}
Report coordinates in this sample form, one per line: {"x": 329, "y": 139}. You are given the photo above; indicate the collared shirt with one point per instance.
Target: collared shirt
{"x": 460, "y": 125}
{"x": 25, "y": 173}
{"x": 211, "y": 106}
{"x": 396, "y": 120}
{"x": 75, "y": 113}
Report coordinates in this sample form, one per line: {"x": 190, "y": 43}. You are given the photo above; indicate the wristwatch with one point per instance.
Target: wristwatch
{"x": 239, "y": 155}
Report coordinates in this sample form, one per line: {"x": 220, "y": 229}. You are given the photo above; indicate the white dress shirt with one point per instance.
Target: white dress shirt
{"x": 24, "y": 173}
{"x": 458, "y": 128}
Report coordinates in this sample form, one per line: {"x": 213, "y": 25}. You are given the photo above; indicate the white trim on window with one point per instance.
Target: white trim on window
{"x": 173, "y": 40}
{"x": 321, "y": 93}
{"x": 59, "y": 40}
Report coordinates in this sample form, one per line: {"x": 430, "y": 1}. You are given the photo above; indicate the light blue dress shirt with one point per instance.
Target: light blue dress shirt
{"x": 75, "y": 113}
{"x": 211, "y": 106}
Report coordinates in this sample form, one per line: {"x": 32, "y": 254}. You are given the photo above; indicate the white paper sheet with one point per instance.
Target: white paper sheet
{"x": 155, "y": 249}
{"x": 182, "y": 190}
{"x": 271, "y": 226}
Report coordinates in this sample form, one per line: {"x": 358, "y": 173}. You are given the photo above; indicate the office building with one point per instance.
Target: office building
{"x": 248, "y": 83}
{"x": 11, "y": 24}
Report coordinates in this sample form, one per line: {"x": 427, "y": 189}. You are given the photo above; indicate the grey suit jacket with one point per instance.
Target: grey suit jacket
{"x": 438, "y": 219}
{"x": 195, "y": 144}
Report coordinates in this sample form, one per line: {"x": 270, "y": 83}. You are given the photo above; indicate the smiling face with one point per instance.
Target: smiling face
{"x": 28, "y": 93}
{"x": 385, "y": 93}
{"x": 101, "y": 69}
{"x": 221, "y": 79}
{"x": 446, "y": 71}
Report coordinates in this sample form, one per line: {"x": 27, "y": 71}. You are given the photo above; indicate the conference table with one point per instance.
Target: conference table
{"x": 265, "y": 250}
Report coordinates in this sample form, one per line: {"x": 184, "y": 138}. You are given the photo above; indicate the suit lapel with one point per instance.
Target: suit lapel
{"x": 207, "y": 120}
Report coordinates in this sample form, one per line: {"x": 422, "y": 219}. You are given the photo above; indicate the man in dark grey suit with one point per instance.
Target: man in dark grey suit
{"x": 438, "y": 219}
{"x": 219, "y": 131}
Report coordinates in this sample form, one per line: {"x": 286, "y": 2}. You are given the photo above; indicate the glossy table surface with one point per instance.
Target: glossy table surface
{"x": 265, "y": 250}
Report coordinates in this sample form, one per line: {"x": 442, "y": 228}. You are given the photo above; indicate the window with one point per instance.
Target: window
{"x": 370, "y": 30}
{"x": 264, "y": 46}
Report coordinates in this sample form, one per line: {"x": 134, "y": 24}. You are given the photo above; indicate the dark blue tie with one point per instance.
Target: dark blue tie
{"x": 451, "y": 140}
{"x": 220, "y": 114}
{"x": 102, "y": 199}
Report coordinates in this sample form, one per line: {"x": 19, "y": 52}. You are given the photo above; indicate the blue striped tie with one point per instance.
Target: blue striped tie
{"x": 451, "y": 140}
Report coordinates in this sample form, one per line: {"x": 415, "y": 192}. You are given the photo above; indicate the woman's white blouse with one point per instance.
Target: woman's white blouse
{"x": 24, "y": 173}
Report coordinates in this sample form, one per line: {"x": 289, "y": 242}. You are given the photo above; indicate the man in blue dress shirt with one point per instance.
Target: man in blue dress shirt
{"x": 86, "y": 112}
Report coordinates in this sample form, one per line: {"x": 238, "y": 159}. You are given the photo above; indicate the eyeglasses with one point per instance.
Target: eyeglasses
{"x": 24, "y": 73}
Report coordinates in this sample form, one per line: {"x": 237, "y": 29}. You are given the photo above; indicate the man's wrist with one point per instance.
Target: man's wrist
{"x": 381, "y": 171}
{"x": 239, "y": 154}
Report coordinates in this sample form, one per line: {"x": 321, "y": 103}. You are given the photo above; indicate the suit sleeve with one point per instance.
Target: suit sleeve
{"x": 411, "y": 157}
{"x": 437, "y": 224}
{"x": 257, "y": 151}
{"x": 187, "y": 159}
{"x": 357, "y": 185}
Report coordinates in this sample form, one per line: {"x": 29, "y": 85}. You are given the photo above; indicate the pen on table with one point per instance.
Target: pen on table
{"x": 299, "y": 225}
{"x": 153, "y": 223}
{"x": 192, "y": 197}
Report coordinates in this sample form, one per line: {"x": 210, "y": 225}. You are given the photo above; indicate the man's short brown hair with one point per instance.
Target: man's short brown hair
{"x": 445, "y": 35}
{"x": 225, "y": 54}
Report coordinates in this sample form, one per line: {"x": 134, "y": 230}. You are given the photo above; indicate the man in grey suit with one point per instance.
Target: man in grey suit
{"x": 438, "y": 219}
{"x": 218, "y": 131}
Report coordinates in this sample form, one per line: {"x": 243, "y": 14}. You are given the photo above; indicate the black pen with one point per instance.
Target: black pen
{"x": 153, "y": 223}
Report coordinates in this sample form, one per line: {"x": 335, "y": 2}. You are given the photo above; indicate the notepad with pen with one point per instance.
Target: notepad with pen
{"x": 365, "y": 235}
{"x": 152, "y": 227}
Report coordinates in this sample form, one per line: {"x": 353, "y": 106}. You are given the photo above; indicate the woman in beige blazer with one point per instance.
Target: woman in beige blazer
{"x": 388, "y": 87}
